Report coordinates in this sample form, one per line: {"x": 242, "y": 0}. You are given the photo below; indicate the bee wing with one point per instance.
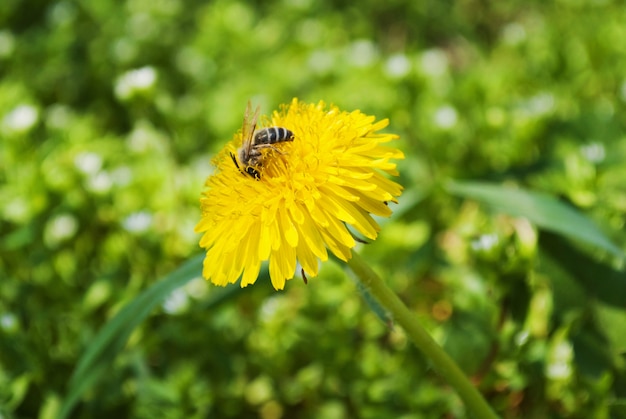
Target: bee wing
{"x": 249, "y": 125}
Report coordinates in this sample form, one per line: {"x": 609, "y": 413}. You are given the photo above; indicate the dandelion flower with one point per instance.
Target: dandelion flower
{"x": 297, "y": 205}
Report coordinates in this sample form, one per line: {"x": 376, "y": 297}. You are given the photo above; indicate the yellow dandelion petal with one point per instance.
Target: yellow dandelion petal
{"x": 296, "y": 213}
{"x": 250, "y": 274}
{"x": 340, "y": 250}
{"x": 380, "y": 125}
{"x": 287, "y": 228}
{"x": 373, "y": 206}
{"x": 317, "y": 214}
{"x": 337, "y": 229}
{"x": 251, "y": 259}
{"x": 282, "y": 266}
{"x": 337, "y": 190}
{"x": 330, "y": 205}
{"x": 313, "y": 239}
{"x": 351, "y": 175}
{"x": 265, "y": 244}
{"x": 355, "y": 182}
{"x": 292, "y": 201}
{"x": 276, "y": 235}
{"x": 386, "y": 152}
{"x": 308, "y": 258}
{"x": 364, "y": 223}
{"x": 367, "y": 148}
{"x": 234, "y": 267}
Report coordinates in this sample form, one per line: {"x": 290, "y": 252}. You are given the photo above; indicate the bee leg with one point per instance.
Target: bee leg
{"x": 253, "y": 173}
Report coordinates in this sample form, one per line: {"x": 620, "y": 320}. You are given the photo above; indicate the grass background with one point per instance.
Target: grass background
{"x": 109, "y": 115}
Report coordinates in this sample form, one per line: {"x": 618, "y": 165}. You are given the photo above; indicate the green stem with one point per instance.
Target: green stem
{"x": 420, "y": 337}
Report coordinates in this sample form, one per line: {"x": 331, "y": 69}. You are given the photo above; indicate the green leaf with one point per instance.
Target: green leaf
{"x": 593, "y": 353}
{"x": 113, "y": 336}
{"x": 542, "y": 209}
{"x": 596, "y": 278}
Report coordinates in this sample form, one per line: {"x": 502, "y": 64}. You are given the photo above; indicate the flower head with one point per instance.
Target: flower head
{"x": 306, "y": 193}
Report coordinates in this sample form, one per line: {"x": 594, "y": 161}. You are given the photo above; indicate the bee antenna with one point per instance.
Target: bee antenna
{"x": 232, "y": 156}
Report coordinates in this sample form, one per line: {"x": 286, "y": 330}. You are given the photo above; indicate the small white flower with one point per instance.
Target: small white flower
{"x": 21, "y": 119}
{"x": 134, "y": 82}
{"x": 446, "y": 117}
{"x": 398, "y": 66}
{"x": 137, "y": 222}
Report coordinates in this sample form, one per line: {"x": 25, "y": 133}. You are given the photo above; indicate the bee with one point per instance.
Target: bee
{"x": 249, "y": 154}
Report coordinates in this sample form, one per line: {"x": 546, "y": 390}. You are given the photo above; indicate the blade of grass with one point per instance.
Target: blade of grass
{"x": 113, "y": 336}
{"x": 542, "y": 209}
{"x": 597, "y": 278}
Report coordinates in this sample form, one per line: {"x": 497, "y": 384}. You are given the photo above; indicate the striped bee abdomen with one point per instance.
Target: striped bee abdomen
{"x": 272, "y": 135}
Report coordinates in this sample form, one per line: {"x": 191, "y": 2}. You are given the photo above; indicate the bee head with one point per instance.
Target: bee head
{"x": 249, "y": 170}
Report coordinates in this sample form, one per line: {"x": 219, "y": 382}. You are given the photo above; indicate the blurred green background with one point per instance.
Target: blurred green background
{"x": 111, "y": 111}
